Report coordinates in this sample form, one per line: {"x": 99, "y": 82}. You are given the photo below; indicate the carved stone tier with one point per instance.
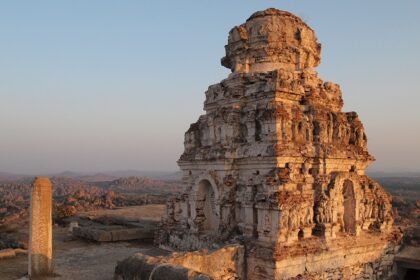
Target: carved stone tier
{"x": 270, "y": 40}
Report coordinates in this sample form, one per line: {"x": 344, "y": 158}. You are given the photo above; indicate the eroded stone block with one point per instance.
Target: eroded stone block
{"x": 40, "y": 235}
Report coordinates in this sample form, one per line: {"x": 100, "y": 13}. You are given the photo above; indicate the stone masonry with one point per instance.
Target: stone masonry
{"x": 276, "y": 165}
{"x": 40, "y": 236}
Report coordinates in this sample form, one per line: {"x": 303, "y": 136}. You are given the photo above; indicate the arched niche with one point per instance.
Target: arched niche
{"x": 301, "y": 234}
{"x": 345, "y": 192}
{"x": 349, "y": 207}
{"x": 205, "y": 208}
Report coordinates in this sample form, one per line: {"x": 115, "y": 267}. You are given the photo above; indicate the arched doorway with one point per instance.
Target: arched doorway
{"x": 206, "y": 207}
{"x": 349, "y": 203}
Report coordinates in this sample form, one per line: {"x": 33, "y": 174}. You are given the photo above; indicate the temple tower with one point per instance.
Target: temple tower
{"x": 274, "y": 161}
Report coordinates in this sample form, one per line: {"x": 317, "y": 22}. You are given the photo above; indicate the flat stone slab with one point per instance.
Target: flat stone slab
{"x": 112, "y": 233}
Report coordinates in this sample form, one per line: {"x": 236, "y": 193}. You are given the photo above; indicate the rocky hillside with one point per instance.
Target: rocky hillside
{"x": 72, "y": 195}
{"x": 80, "y": 195}
{"x": 145, "y": 185}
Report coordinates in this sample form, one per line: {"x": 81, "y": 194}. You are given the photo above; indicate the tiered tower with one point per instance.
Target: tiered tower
{"x": 274, "y": 162}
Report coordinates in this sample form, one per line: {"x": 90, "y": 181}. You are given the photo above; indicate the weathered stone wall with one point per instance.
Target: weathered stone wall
{"x": 364, "y": 257}
{"x": 381, "y": 268}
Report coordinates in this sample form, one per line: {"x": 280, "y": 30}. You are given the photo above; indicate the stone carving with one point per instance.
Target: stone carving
{"x": 284, "y": 163}
{"x": 324, "y": 210}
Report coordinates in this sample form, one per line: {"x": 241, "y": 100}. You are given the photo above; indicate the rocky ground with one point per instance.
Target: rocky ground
{"x": 131, "y": 199}
{"x": 121, "y": 199}
{"x": 75, "y": 195}
{"x": 81, "y": 259}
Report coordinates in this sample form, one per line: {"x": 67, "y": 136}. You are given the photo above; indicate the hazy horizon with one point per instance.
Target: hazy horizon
{"x": 103, "y": 85}
{"x": 164, "y": 173}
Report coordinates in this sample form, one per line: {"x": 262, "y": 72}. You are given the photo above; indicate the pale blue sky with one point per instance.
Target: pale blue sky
{"x": 113, "y": 85}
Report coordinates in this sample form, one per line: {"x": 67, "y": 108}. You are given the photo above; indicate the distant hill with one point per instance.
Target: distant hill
{"x": 139, "y": 173}
{"x": 145, "y": 185}
{"x": 5, "y": 176}
{"x": 99, "y": 177}
{"x": 67, "y": 174}
{"x": 380, "y": 174}
{"x": 105, "y": 176}
{"x": 175, "y": 176}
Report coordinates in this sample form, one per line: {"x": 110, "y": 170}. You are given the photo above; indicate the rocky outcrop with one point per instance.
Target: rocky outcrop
{"x": 72, "y": 195}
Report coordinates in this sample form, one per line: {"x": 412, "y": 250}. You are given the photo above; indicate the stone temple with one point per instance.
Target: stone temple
{"x": 274, "y": 164}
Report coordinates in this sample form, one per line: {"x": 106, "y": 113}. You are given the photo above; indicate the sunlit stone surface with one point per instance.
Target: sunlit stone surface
{"x": 40, "y": 238}
{"x": 276, "y": 165}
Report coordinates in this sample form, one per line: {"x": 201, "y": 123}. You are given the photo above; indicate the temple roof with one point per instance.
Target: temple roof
{"x": 269, "y": 40}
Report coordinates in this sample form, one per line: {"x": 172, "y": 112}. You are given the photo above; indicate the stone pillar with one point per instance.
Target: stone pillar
{"x": 40, "y": 231}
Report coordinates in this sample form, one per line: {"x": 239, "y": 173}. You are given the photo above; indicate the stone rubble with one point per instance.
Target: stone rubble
{"x": 226, "y": 263}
